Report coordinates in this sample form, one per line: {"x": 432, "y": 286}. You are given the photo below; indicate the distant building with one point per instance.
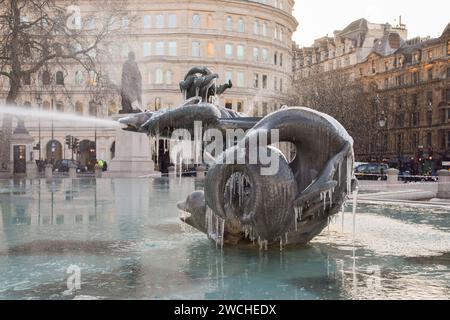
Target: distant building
{"x": 408, "y": 80}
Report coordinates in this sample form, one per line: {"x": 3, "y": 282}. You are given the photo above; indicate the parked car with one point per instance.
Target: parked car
{"x": 406, "y": 176}
{"x": 63, "y": 166}
{"x": 371, "y": 171}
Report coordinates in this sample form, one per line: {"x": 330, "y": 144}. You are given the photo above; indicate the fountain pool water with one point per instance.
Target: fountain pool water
{"x": 125, "y": 237}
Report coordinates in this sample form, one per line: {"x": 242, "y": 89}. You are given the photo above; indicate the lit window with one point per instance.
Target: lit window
{"x": 158, "y": 76}
{"x": 210, "y": 49}
{"x": 240, "y": 52}
{"x": 195, "y": 49}
{"x": 229, "y": 25}
{"x": 240, "y": 25}
{"x": 147, "y": 49}
{"x": 159, "y": 48}
{"x": 172, "y": 48}
{"x": 196, "y": 20}
{"x": 228, "y": 50}
{"x": 147, "y": 22}
{"x": 240, "y": 79}
{"x": 172, "y": 20}
{"x": 160, "y": 21}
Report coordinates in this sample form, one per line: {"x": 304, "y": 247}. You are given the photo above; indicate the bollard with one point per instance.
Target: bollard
{"x": 48, "y": 171}
{"x": 72, "y": 171}
{"x": 443, "y": 184}
{"x": 392, "y": 176}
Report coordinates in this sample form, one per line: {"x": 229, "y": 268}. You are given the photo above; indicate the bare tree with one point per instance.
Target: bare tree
{"x": 36, "y": 33}
{"x": 346, "y": 100}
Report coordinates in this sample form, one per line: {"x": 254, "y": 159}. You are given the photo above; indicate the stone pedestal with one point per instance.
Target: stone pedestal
{"x": 72, "y": 171}
{"x": 392, "y": 176}
{"x": 132, "y": 156}
{"x": 443, "y": 184}
{"x": 48, "y": 171}
{"x": 98, "y": 172}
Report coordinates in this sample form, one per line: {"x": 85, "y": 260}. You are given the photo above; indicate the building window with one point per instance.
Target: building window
{"x": 264, "y": 81}
{"x": 240, "y": 107}
{"x": 430, "y": 55}
{"x": 26, "y": 79}
{"x": 229, "y": 25}
{"x": 430, "y": 74}
{"x": 196, "y": 20}
{"x": 46, "y": 78}
{"x": 264, "y": 29}
{"x": 448, "y": 73}
{"x": 255, "y": 80}
{"x": 240, "y": 25}
{"x": 147, "y": 22}
{"x": 160, "y": 21}
{"x": 59, "y": 78}
{"x": 159, "y": 48}
{"x": 275, "y": 83}
{"x": 172, "y": 48}
{"x": 228, "y": 76}
{"x": 281, "y": 85}
{"x": 147, "y": 49}
{"x": 255, "y": 54}
{"x": 196, "y": 49}
{"x": 172, "y": 20}
{"x": 228, "y": 50}
{"x": 429, "y": 97}
{"x": 159, "y": 76}
{"x": 211, "y": 49}
{"x": 264, "y": 108}
{"x": 255, "y": 27}
{"x": 275, "y": 56}
{"x": 78, "y": 78}
{"x": 240, "y": 52}
{"x": 265, "y": 55}
{"x": 275, "y": 32}
{"x": 240, "y": 79}
{"x": 429, "y": 139}
{"x": 448, "y": 47}
{"x": 430, "y": 118}
{"x": 168, "y": 77}
{"x": 229, "y": 104}
{"x": 92, "y": 109}
{"x": 281, "y": 59}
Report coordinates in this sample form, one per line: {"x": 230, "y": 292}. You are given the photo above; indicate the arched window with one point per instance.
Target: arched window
{"x": 229, "y": 25}
{"x": 59, "y": 106}
{"x": 256, "y": 27}
{"x": 264, "y": 29}
{"x": 168, "y": 77}
{"x": 93, "y": 109}
{"x": 45, "y": 78}
{"x": 46, "y": 105}
{"x": 78, "y": 78}
{"x": 79, "y": 108}
{"x": 158, "y": 76}
{"x": 59, "y": 78}
{"x": 240, "y": 25}
{"x": 196, "y": 20}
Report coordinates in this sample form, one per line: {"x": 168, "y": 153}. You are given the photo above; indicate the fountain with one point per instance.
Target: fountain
{"x": 240, "y": 205}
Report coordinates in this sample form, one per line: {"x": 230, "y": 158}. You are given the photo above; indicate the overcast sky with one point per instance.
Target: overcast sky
{"x": 318, "y": 18}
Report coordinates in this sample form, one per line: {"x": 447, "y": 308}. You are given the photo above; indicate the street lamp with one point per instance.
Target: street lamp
{"x": 39, "y": 103}
{"x": 381, "y": 123}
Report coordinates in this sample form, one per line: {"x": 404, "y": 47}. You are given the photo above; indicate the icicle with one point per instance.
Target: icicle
{"x": 281, "y": 244}
{"x": 355, "y": 202}
{"x": 296, "y": 218}
{"x": 266, "y": 244}
{"x": 286, "y": 236}
{"x": 223, "y": 234}
{"x": 339, "y": 172}
{"x": 259, "y": 243}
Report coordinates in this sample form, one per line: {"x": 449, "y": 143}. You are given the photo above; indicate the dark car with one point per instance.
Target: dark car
{"x": 406, "y": 176}
{"x": 63, "y": 166}
{"x": 371, "y": 171}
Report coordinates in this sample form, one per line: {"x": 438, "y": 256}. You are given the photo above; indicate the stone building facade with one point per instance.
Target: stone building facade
{"x": 407, "y": 82}
{"x": 247, "y": 42}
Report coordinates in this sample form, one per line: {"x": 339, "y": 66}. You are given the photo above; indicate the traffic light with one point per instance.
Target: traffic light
{"x": 75, "y": 143}
{"x": 68, "y": 141}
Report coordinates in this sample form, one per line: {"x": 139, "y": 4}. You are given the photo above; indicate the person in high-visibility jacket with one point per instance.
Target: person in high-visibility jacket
{"x": 100, "y": 164}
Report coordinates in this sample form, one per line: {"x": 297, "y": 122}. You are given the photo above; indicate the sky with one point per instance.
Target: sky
{"x": 317, "y": 18}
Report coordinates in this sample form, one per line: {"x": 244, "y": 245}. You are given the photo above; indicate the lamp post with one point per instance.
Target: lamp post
{"x": 39, "y": 103}
{"x": 381, "y": 123}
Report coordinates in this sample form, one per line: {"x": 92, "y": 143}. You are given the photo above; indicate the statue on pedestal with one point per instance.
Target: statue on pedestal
{"x": 131, "y": 86}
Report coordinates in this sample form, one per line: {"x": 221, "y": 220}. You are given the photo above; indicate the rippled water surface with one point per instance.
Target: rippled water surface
{"x": 125, "y": 237}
